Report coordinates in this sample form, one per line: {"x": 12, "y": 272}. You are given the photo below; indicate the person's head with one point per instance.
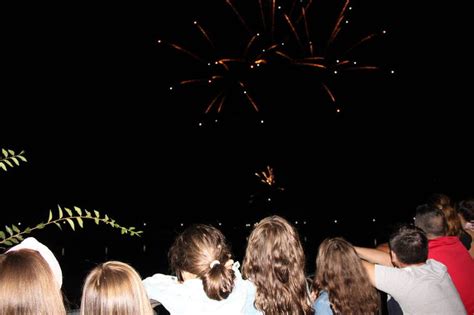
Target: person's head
{"x": 440, "y": 201}
{"x": 431, "y": 220}
{"x": 466, "y": 209}
{"x": 340, "y": 272}
{"x": 201, "y": 251}
{"x": 114, "y": 288}
{"x": 275, "y": 262}
{"x": 408, "y": 246}
{"x": 28, "y": 285}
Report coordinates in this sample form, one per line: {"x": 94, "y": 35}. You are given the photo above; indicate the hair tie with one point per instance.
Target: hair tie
{"x": 214, "y": 262}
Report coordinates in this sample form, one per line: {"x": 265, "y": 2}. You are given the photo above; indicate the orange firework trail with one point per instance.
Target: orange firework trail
{"x": 204, "y": 33}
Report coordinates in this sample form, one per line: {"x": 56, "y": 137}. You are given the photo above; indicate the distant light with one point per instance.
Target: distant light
{"x": 347, "y": 21}
{"x": 304, "y": 222}
{"x": 392, "y": 71}
{"x": 269, "y": 199}
{"x": 220, "y": 224}
{"x": 263, "y": 50}
{"x": 144, "y": 223}
{"x": 355, "y": 62}
{"x": 283, "y": 44}
{"x": 248, "y": 225}
{"x": 208, "y": 63}
{"x": 261, "y": 121}
{"x": 159, "y": 41}
{"x": 373, "y": 220}
{"x": 335, "y": 221}
{"x": 384, "y": 32}
{"x": 350, "y": 8}
{"x": 335, "y": 71}
{"x": 251, "y": 66}
{"x": 258, "y": 34}
{"x": 245, "y": 92}
{"x": 310, "y": 42}
{"x": 200, "y": 124}
{"x": 195, "y": 22}
{"x": 413, "y": 218}
{"x": 210, "y": 81}
{"x": 182, "y": 224}
{"x": 19, "y": 223}
{"x": 216, "y": 62}
{"x": 338, "y": 110}
{"x": 337, "y": 60}
{"x": 171, "y": 88}
{"x": 258, "y": 65}
{"x": 279, "y": 7}
{"x": 296, "y": 222}
{"x": 216, "y": 120}
{"x": 144, "y": 248}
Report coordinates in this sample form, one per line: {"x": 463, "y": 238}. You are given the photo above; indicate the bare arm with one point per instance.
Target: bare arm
{"x": 383, "y": 247}
{"x": 374, "y": 256}
{"x": 370, "y": 269}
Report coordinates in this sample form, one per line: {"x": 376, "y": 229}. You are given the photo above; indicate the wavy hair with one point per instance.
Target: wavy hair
{"x": 202, "y": 250}
{"x": 114, "y": 288}
{"x": 275, "y": 262}
{"x": 28, "y": 286}
{"x": 339, "y": 271}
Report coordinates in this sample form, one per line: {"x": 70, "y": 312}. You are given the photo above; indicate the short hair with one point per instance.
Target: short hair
{"x": 275, "y": 262}
{"x": 431, "y": 220}
{"x": 27, "y": 285}
{"x": 466, "y": 209}
{"x": 410, "y": 244}
{"x": 114, "y": 288}
{"x": 197, "y": 250}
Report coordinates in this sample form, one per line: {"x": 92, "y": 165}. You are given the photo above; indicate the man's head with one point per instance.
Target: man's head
{"x": 431, "y": 220}
{"x": 408, "y": 246}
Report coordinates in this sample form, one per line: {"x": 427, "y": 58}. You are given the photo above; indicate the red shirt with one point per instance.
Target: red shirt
{"x": 450, "y": 251}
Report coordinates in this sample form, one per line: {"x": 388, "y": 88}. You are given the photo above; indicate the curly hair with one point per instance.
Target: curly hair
{"x": 202, "y": 250}
{"x": 275, "y": 262}
{"x": 339, "y": 272}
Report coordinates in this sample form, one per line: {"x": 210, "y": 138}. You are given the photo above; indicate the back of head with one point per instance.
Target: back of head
{"x": 340, "y": 272}
{"x": 431, "y": 220}
{"x": 410, "y": 245}
{"x": 27, "y": 285}
{"x": 202, "y": 250}
{"x": 114, "y": 288}
{"x": 275, "y": 262}
{"x": 466, "y": 209}
{"x": 438, "y": 200}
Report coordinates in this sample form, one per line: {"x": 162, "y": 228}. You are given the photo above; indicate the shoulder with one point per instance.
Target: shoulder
{"x": 322, "y": 304}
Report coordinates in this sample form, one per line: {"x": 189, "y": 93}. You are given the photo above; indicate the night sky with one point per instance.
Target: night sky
{"x": 86, "y": 93}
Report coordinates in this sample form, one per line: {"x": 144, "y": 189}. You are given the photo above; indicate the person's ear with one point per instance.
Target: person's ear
{"x": 229, "y": 263}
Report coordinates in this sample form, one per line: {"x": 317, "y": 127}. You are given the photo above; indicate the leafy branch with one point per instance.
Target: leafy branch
{"x": 10, "y": 158}
{"x": 15, "y": 236}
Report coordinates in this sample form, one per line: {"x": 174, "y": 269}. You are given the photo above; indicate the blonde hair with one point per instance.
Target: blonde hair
{"x": 203, "y": 251}
{"x": 340, "y": 272}
{"x": 27, "y": 285}
{"x": 275, "y": 262}
{"x": 114, "y": 288}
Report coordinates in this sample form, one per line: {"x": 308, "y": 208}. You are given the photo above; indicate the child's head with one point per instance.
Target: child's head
{"x": 201, "y": 251}
{"x": 114, "y": 288}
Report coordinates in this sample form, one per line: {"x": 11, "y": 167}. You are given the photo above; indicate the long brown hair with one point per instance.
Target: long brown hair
{"x": 275, "y": 262}
{"x": 202, "y": 250}
{"x": 114, "y": 288}
{"x": 27, "y": 285}
{"x": 443, "y": 202}
{"x": 340, "y": 272}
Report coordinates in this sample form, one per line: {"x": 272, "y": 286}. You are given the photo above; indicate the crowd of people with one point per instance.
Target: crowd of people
{"x": 425, "y": 268}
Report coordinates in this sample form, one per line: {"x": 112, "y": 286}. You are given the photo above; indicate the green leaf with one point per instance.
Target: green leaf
{"x": 81, "y": 223}
{"x": 8, "y": 162}
{"x": 3, "y": 166}
{"x": 27, "y": 231}
{"x": 58, "y": 225}
{"x": 60, "y": 212}
{"x": 19, "y": 237}
{"x": 78, "y": 210}
{"x": 124, "y": 231}
{"x": 88, "y": 214}
{"x": 5, "y": 153}
{"x": 14, "y": 240}
{"x": 68, "y": 211}
{"x": 8, "y": 243}
{"x": 50, "y": 215}
{"x": 40, "y": 226}
{"x": 15, "y": 228}
{"x": 9, "y": 230}
{"x": 2, "y": 235}
{"x": 22, "y": 158}
{"x": 97, "y": 214}
{"x": 11, "y": 152}
{"x": 106, "y": 218}
{"x": 132, "y": 228}
{"x": 15, "y": 160}
{"x": 71, "y": 223}
{"x": 96, "y": 221}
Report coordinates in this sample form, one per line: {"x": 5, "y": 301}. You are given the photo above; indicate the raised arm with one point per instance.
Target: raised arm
{"x": 374, "y": 256}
